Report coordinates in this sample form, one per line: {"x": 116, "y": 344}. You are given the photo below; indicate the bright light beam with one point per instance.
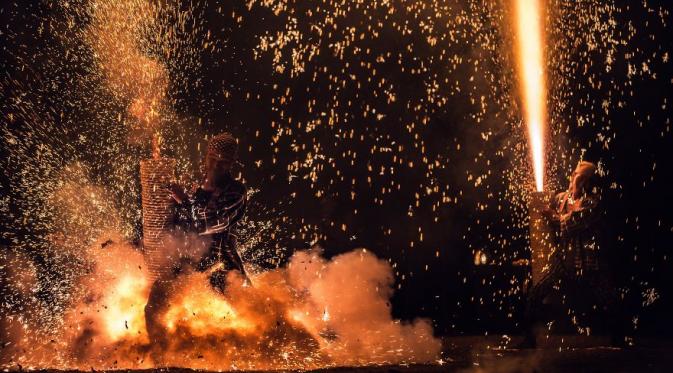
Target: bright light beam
{"x": 531, "y": 74}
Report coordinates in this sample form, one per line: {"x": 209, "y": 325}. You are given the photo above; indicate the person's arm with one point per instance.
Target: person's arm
{"x": 184, "y": 208}
{"x": 583, "y": 217}
{"x": 551, "y": 213}
{"x": 551, "y": 216}
{"x": 206, "y": 214}
{"x": 178, "y": 193}
{"x": 229, "y": 209}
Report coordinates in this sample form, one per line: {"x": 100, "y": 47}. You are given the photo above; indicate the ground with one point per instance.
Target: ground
{"x": 477, "y": 354}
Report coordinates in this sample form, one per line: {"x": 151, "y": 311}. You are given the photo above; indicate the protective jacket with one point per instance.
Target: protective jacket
{"x": 215, "y": 214}
{"x": 579, "y": 237}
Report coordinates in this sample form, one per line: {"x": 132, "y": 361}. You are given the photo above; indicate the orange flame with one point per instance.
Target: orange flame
{"x": 310, "y": 314}
{"x": 123, "y": 316}
{"x": 531, "y": 73}
{"x": 201, "y": 311}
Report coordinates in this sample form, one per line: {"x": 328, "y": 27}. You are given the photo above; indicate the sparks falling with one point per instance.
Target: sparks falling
{"x": 532, "y": 83}
{"x": 376, "y": 106}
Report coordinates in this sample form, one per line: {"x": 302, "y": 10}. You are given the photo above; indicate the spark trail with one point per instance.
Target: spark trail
{"x": 530, "y": 64}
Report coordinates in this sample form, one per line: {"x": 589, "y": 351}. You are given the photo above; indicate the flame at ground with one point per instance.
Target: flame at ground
{"x": 311, "y": 314}
{"x": 531, "y": 72}
{"x": 202, "y": 311}
{"x": 123, "y": 316}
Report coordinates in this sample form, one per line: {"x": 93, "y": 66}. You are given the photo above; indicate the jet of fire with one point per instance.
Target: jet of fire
{"x": 531, "y": 75}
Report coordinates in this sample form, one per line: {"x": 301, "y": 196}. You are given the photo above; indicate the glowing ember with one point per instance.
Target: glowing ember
{"x": 530, "y": 66}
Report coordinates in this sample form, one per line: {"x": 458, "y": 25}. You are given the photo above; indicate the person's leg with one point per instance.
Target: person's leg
{"x": 228, "y": 259}
{"x": 534, "y": 312}
{"x": 577, "y": 301}
{"x": 218, "y": 279}
{"x": 593, "y": 301}
{"x": 210, "y": 258}
{"x": 157, "y": 303}
{"x": 608, "y": 307}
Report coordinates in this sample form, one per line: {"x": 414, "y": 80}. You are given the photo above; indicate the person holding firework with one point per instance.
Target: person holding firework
{"x": 576, "y": 271}
{"x": 213, "y": 212}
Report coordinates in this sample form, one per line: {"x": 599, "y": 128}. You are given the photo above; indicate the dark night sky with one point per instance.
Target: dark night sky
{"x": 449, "y": 290}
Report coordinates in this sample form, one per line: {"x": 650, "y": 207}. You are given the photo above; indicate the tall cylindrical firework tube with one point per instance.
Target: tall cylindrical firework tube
{"x": 155, "y": 175}
{"x": 541, "y": 236}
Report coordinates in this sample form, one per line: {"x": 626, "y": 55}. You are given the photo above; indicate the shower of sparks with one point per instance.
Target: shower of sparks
{"x": 344, "y": 110}
{"x": 530, "y": 63}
